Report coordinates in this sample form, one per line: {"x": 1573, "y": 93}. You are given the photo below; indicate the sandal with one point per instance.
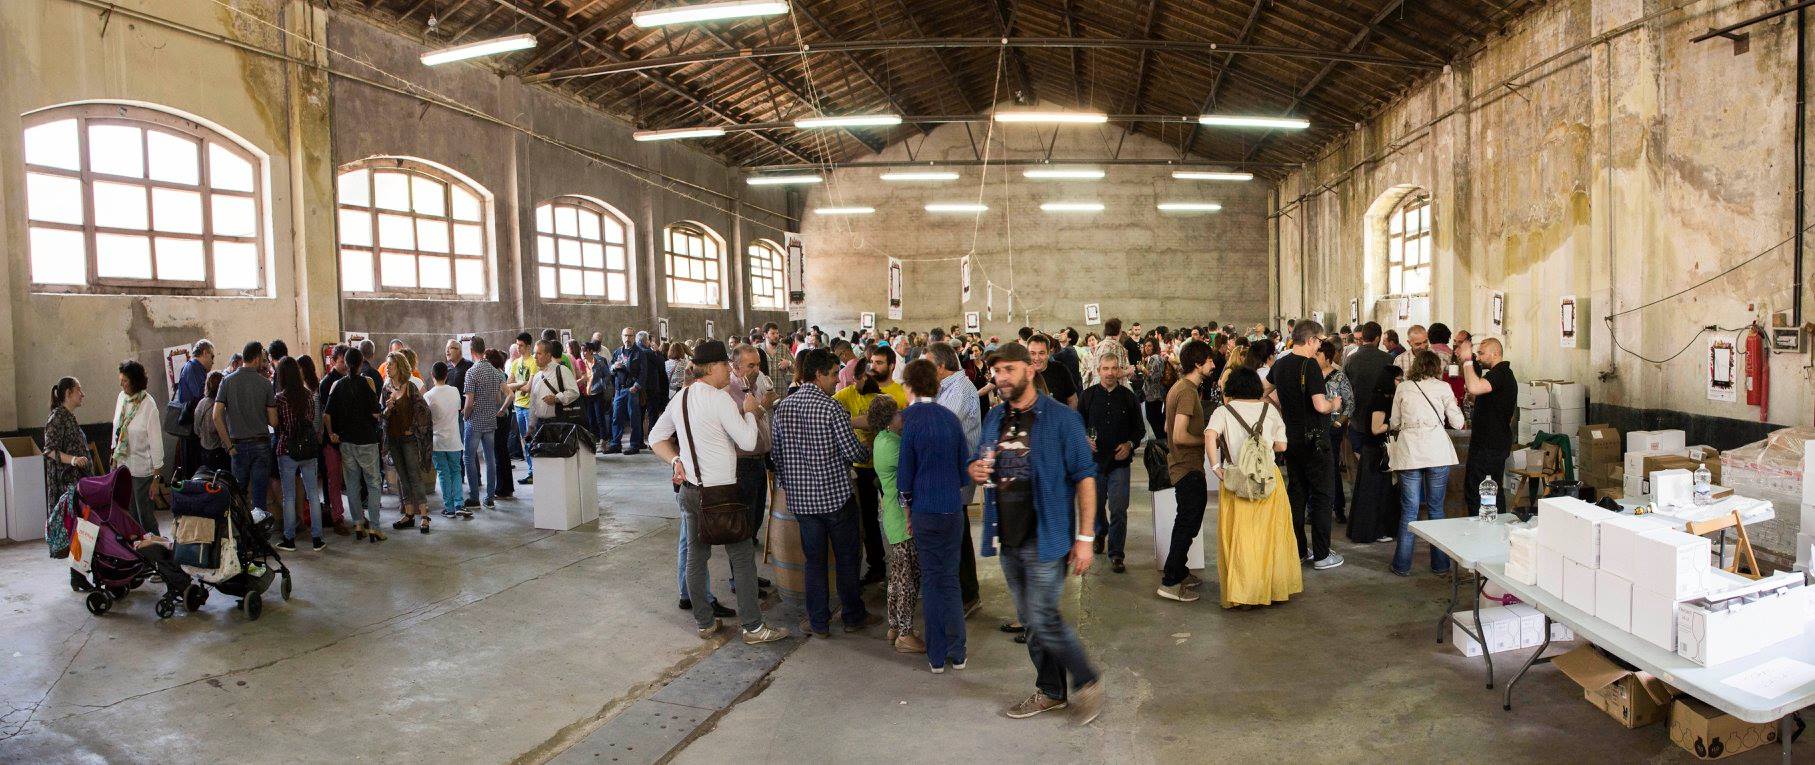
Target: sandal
{"x": 425, "y": 523}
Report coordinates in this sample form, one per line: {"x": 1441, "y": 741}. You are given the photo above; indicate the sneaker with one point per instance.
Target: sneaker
{"x": 403, "y": 523}
{"x": 470, "y": 502}
{"x": 318, "y": 544}
{"x": 1116, "y": 565}
{"x": 1176, "y": 592}
{"x": 465, "y": 515}
{"x": 806, "y": 630}
{"x": 1384, "y": 539}
{"x": 287, "y": 545}
{"x": 869, "y": 620}
{"x": 528, "y": 480}
{"x": 764, "y": 634}
{"x": 632, "y": 452}
{"x": 720, "y": 611}
{"x": 490, "y": 505}
{"x": 1035, "y": 704}
{"x": 1327, "y": 562}
{"x": 936, "y": 670}
{"x": 686, "y": 604}
{"x": 612, "y": 449}
{"x": 909, "y": 643}
{"x": 1087, "y": 703}
{"x": 448, "y": 513}
{"x": 708, "y": 632}
{"x": 1397, "y": 572}
{"x": 958, "y": 665}
{"x": 1192, "y": 581}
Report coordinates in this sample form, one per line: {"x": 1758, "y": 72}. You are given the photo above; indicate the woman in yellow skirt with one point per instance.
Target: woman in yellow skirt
{"x": 1258, "y": 564}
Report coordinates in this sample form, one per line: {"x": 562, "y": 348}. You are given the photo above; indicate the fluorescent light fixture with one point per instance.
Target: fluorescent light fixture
{"x": 956, "y": 207}
{"x": 843, "y": 210}
{"x": 1233, "y": 120}
{"x": 1063, "y": 174}
{"x": 921, "y": 175}
{"x": 675, "y": 134}
{"x": 782, "y": 180}
{"x": 481, "y": 48}
{"x": 854, "y": 120}
{"x": 1189, "y": 207}
{"x": 1202, "y": 175}
{"x": 1072, "y": 118}
{"x": 1072, "y": 207}
{"x": 683, "y": 14}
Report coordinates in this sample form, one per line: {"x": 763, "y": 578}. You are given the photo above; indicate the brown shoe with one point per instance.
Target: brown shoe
{"x": 1035, "y": 704}
{"x": 869, "y": 620}
{"x": 1192, "y": 582}
{"x": 1087, "y": 703}
{"x": 806, "y": 630}
{"x": 909, "y": 643}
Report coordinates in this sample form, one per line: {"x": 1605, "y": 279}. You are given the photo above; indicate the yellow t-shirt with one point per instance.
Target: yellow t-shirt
{"x": 859, "y": 405}
{"x": 522, "y": 370}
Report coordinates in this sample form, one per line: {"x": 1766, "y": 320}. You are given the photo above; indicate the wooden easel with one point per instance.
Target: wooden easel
{"x": 1741, "y": 550}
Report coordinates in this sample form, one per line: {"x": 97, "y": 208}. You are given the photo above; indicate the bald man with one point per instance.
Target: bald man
{"x": 1416, "y": 339}
{"x": 1488, "y": 377}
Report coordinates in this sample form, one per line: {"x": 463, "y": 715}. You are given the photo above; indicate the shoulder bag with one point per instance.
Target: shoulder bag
{"x": 722, "y": 518}
{"x": 1317, "y": 431}
{"x": 574, "y": 412}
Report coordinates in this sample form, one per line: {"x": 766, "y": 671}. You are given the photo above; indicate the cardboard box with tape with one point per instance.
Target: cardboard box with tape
{"x": 1710, "y": 734}
{"x": 1635, "y": 698}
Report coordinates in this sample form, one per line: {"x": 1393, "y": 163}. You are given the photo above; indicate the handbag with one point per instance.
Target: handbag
{"x": 574, "y": 412}
{"x": 1317, "y": 432}
{"x": 179, "y": 419}
{"x": 721, "y": 518}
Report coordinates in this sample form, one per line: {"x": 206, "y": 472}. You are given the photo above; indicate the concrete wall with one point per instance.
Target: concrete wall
{"x": 309, "y": 113}
{"x": 1134, "y": 261}
{"x": 1591, "y": 150}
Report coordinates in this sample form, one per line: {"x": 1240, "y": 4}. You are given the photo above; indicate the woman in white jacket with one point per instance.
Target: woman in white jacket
{"x": 138, "y": 441}
{"x": 1423, "y": 406}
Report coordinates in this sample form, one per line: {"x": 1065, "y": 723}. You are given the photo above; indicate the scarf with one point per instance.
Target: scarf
{"x": 127, "y": 412}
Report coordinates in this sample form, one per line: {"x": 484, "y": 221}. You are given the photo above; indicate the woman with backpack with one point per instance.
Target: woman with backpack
{"x": 1258, "y": 564}
{"x": 298, "y": 448}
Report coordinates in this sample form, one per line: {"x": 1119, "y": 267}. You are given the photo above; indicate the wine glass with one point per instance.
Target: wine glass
{"x": 989, "y": 456}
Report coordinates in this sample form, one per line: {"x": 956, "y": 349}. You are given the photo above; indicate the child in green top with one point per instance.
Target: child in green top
{"x": 904, "y": 567}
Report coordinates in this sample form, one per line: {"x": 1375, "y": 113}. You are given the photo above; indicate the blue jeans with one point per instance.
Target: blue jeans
{"x": 626, "y": 419}
{"x": 523, "y": 438}
{"x": 480, "y": 447}
{"x": 1422, "y": 486}
{"x": 359, "y": 468}
{"x": 1036, "y": 586}
{"x": 598, "y": 414}
{"x": 447, "y": 474}
{"x": 288, "y": 471}
{"x": 1112, "y": 508}
{"x": 680, "y": 553}
{"x": 252, "y": 460}
{"x": 938, "y": 540}
{"x": 838, "y": 533}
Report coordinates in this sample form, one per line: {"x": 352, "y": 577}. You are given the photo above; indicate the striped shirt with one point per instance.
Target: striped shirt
{"x": 814, "y": 447}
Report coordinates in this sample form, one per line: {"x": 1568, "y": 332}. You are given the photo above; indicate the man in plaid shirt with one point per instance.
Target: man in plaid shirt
{"x": 813, "y": 448}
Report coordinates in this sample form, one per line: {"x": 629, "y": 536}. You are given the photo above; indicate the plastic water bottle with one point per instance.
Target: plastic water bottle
{"x": 1704, "y": 484}
{"x": 1490, "y": 500}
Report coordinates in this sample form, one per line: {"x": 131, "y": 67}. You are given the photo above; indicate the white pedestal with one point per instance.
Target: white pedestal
{"x": 1165, "y": 508}
{"x": 24, "y": 506}
{"x": 566, "y": 491}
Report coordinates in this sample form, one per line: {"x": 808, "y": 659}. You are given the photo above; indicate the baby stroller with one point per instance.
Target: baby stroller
{"x": 221, "y": 546}
{"x": 103, "y": 523}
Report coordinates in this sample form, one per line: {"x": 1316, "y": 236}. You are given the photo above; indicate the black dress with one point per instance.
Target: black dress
{"x": 1374, "y": 508}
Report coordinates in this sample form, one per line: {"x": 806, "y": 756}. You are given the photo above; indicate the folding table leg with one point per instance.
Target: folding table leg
{"x": 1487, "y": 655}
{"x": 1529, "y": 660}
{"x": 1443, "y": 621}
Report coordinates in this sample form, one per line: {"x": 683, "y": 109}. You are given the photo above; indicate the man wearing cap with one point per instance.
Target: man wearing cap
{"x": 1042, "y": 508}
{"x": 700, "y": 434}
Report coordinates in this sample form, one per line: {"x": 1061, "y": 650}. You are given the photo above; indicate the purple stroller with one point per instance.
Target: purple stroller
{"x": 115, "y": 566}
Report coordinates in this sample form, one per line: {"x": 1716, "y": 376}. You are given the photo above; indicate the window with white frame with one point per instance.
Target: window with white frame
{"x": 768, "y": 276}
{"x": 582, "y": 251}
{"x": 1408, "y": 250}
{"x": 695, "y": 259}
{"x": 132, "y": 199}
{"x": 409, "y": 228}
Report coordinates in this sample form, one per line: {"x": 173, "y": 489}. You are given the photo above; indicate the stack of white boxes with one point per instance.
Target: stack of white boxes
{"x": 1805, "y": 541}
{"x": 1569, "y": 549}
{"x": 1746, "y": 617}
{"x": 1522, "y": 554}
{"x": 1535, "y": 415}
{"x": 1648, "y": 566}
{"x": 1648, "y": 443}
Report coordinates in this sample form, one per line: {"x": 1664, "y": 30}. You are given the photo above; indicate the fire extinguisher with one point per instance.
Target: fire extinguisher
{"x": 1758, "y": 372}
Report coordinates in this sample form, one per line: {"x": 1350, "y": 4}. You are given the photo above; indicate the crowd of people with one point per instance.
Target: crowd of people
{"x": 879, "y": 441}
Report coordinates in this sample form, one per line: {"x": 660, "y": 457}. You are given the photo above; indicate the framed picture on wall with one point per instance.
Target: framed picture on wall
{"x": 1496, "y": 311}
{"x": 566, "y": 337}
{"x": 1093, "y": 314}
{"x": 466, "y": 344}
{"x": 710, "y": 335}
{"x": 355, "y": 338}
{"x": 866, "y": 320}
{"x": 661, "y": 329}
{"x": 1566, "y": 321}
{"x": 973, "y": 322}
{"x": 174, "y": 359}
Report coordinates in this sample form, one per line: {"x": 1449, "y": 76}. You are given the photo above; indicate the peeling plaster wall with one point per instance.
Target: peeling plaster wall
{"x": 1136, "y": 262}
{"x": 1633, "y": 165}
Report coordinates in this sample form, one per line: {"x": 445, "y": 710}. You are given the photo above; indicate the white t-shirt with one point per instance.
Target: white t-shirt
{"x": 1272, "y": 428}
{"x": 444, "y": 407}
{"x": 721, "y": 427}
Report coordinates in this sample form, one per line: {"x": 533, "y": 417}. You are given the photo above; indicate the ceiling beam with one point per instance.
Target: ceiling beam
{"x": 1361, "y": 37}
{"x": 1003, "y": 12}
{"x": 1216, "y": 83}
{"x": 1013, "y": 43}
{"x": 605, "y": 18}
{"x": 612, "y": 53}
{"x": 1420, "y": 46}
{"x": 940, "y": 54}
{"x": 874, "y": 144}
{"x": 887, "y": 95}
{"x": 1032, "y": 161}
{"x": 1140, "y": 69}
{"x": 1077, "y": 67}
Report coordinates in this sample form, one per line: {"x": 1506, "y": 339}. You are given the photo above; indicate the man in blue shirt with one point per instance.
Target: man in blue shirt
{"x": 1042, "y": 468}
{"x": 191, "y": 386}
{"x": 626, "y": 410}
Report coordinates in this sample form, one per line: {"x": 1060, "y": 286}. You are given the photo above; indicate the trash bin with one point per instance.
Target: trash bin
{"x": 24, "y": 481}
{"x": 566, "y": 491}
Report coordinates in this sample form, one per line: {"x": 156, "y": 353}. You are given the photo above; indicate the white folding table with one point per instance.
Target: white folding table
{"x": 1469, "y": 543}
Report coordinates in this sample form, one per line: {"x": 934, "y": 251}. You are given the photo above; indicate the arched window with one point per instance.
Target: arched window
{"x": 133, "y": 199}
{"x": 695, "y": 260}
{"x": 583, "y": 251}
{"x": 1408, "y": 247}
{"x": 411, "y": 228}
{"x": 768, "y": 276}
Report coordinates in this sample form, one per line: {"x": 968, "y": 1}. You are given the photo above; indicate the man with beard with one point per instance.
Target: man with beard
{"x": 878, "y": 378}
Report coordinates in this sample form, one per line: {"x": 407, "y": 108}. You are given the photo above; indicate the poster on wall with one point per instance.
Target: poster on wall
{"x": 661, "y": 330}
{"x": 1722, "y": 372}
{"x": 1566, "y": 321}
{"x": 466, "y": 344}
{"x": 1496, "y": 311}
{"x": 709, "y": 331}
{"x": 1093, "y": 314}
{"x": 566, "y": 337}
{"x": 1354, "y": 311}
{"x": 797, "y": 277}
{"x": 355, "y": 338}
{"x": 894, "y": 289}
{"x": 866, "y": 320}
{"x": 174, "y": 359}
{"x": 1402, "y": 309}
{"x": 973, "y": 322}
{"x": 989, "y": 301}
{"x": 964, "y": 280}
{"x": 1317, "y": 316}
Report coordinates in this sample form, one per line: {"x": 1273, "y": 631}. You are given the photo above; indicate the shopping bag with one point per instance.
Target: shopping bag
{"x": 82, "y": 548}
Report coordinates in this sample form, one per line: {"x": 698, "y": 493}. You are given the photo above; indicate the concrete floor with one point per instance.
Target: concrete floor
{"x": 491, "y": 641}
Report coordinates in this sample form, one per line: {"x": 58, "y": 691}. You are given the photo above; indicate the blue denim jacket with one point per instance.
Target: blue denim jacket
{"x": 1061, "y": 458}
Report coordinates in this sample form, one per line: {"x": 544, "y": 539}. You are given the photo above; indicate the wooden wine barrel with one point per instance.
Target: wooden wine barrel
{"x": 783, "y": 553}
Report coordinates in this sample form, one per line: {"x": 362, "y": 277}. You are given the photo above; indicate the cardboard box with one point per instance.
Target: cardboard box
{"x": 1613, "y": 599}
{"x": 1578, "y": 533}
{"x": 1672, "y": 562}
{"x": 1561, "y": 633}
{"x": 1565, "y": 395}
{"x": 1634, "y": 698}
{"x": 1652, "y": 463}
{"x": 1654, "y": 618}
{"x": 1537, "y": 418}
{"x": 1550, "y": 571}
{"x": 1578, "y": 585}
{"x": 1711, "y": 734}
{"x": 1500, "y": 625}
{"x": 1656, "y": 441}
{"x": 1533, "y": 395}
{"x": 1531, "y": 625}
{"x": 1569, "y": 420}
{"x": 1702, "y": 453}
{"x": 1618, "y": 536}
{"x": 1709, "y": 634}
{"x": 1672, "y": 488}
